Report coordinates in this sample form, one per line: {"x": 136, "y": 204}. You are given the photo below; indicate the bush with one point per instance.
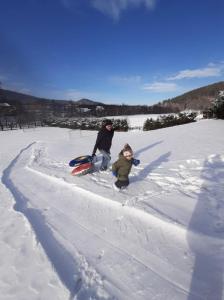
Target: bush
{"x": 87, "y": 124}
{"x": 168, "y": 121}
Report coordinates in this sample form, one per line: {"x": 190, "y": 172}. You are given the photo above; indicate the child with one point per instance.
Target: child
{"x": 122, "y": 167}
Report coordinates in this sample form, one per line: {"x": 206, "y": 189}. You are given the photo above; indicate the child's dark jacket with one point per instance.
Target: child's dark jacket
{"x": 122, "y": 167}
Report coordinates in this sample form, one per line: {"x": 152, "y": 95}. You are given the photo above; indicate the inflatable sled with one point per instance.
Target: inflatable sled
{"x": 83, "y": 169}
{"x": 83, "y": 165}
{"x": 80, "y": 160}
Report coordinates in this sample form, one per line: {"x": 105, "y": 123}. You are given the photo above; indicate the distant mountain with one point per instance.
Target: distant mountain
{"x": 24, "y": 106}
{"x": 87, "y": 102}
{"x": 11, "y": 96}
{"x": 198, "y": 99}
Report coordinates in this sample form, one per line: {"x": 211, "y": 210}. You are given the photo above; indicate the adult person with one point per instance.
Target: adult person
{"x": 104, "y": 142}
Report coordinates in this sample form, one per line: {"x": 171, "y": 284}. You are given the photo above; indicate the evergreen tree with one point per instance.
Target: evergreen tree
{"x": 168, "y": 121}
{"x": 218, "y": 107}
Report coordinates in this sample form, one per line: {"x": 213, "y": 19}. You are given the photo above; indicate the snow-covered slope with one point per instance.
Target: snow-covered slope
{"x": 75, "y": 237}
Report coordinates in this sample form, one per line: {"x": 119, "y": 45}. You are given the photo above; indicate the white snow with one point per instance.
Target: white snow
{"x": 65, "y": 237}
{"x": 138, "y": 120}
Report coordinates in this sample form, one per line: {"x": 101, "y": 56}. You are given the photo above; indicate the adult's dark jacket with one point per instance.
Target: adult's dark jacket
{"x": 104, "y": 140}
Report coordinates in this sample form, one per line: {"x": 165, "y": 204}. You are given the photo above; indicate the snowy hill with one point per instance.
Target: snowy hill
{"x": 65, "y": 237}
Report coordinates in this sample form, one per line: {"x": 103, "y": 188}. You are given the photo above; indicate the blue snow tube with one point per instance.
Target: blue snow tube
{"x": 80, "y": 160}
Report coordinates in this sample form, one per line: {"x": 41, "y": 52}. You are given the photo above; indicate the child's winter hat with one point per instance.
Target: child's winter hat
{"x": 127, "y": 147}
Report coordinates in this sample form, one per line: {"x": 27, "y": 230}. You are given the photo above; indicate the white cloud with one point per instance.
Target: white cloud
{"x": 113, "y": 8}
{"x": 160, "y": 87}
{"x": 210, "y": 71}
{"x": 126, "y": 79}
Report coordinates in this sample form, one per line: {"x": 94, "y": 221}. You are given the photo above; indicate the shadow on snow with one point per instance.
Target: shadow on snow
{"x": 208, "y": 221}
{"x": 138, "y": 152}
{"x": 152, "y": 166}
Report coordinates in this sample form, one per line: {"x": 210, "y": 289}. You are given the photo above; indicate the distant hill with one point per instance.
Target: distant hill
{"x": 11, "y": 96}
{"x": 27, "y": 106}
{"x": 87, "y": 102}
{"x": 198, "y": 99}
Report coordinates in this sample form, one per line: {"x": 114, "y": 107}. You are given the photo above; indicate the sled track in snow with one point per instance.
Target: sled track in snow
{"x": 62, "y": 261}
{"x": 56, "y": 251}
{"x": 127, "y": 210}
{"x": 43, "y": 233}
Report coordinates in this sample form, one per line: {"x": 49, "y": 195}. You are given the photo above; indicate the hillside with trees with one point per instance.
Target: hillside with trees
{"x": 198, "y": 99}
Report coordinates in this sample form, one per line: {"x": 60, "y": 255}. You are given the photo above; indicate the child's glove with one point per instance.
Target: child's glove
{"x": 114, "y": 173}
{"x": 135, "y": 162}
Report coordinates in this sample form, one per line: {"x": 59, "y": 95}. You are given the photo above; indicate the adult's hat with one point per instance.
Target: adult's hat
{"x": 107, "y": 122}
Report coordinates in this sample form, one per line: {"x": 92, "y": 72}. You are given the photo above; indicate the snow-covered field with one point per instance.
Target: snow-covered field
{"x": 64, "y": 237}
{"x": 138, "y": 120}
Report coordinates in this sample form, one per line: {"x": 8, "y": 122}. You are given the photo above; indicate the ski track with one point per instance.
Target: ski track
{"x": 86, "y": 275}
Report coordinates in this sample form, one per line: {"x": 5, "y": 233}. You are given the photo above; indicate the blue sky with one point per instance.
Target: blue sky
{"x": 114, "y": 51}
